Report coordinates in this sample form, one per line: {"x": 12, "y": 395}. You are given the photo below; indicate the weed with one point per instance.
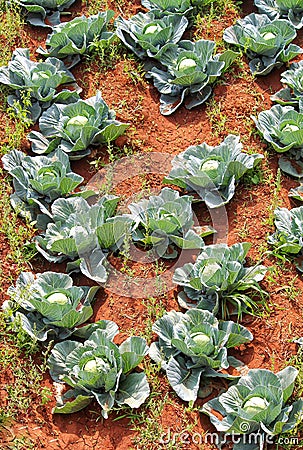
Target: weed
{"x": 93, "y": 7}
{"x": 23, "y": 374}
{"x": 216, "y": 116}
{"x": 17, "y": 233}
{"x": 290, "y": 439}
{"x": 254, "y": 176}
{"x": 17, "y": 118}
{"x": 106, "y": 57}
{"x": 135, "y": 71}
{"x": 275, "y": 201}
{"x": 125, "y": 253}
{"x": 11, "y": 30}
{"x": 210, "y": 12}
{"x": 154, "y": 310}
{"x": 21, "y": 443}
{"x": 243, "y": 233}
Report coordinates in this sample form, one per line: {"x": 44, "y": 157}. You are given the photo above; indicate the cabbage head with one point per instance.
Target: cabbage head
{"x": 81, "y": 233}
{"x": 39, "y": 180}
{"x": 147, "y": 34}
{"x": 189, "y": 69}
{"x": 281, "y": 127}
{"x": 165, "y": 221}
{"x": 212, "y": 172}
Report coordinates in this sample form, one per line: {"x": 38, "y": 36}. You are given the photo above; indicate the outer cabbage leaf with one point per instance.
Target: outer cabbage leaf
{"x": 291, "y": 10}
{"x": 166, "y": 7}
{"x": 43, "y": 13}
{"x": 293, "y": 92}
{"x": 288, "y": 237}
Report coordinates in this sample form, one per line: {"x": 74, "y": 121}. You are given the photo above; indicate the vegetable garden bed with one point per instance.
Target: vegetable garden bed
{"x": 128, "y": 154}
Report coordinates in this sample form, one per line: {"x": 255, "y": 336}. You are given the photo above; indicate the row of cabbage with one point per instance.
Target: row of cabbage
{"x": 192, "y": 346}
{"x": 192, "y": 349}
{"x": 181, "y": 70}
{"x": 81, "y": 231}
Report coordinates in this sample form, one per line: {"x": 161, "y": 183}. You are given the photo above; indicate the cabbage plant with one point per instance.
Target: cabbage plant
{"x": 288, "y": 237}
{"x": 165, "y": 221}
{"x": 74, "y": 128}
{"x": 292, "y": 10}
{"x": 297, "y": 192}
{"x": 192, "y": 348}
{"x": 218, "y": 280}
{"x": 147, "y": 34}
{"x": 41, "y": 80}
{"x": 48, "y": 305}
{"x": 166, "y": 7}
{"x": 212, "y": 172}
{"x": 292, "y": 94}
{"x": 189, "y": 69}
{"x": 174, "y": 6}
{"x": 81, "y": 232}
{"x": 282, "y": 127}
{"x": 264, "y": 41}
{"x": 100, "y": 370}
{"x": 43, "y": 13}
{"x": 39, "y": 180}
{"x": 257, "y": 406}
{"x": 78, "y": 37}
